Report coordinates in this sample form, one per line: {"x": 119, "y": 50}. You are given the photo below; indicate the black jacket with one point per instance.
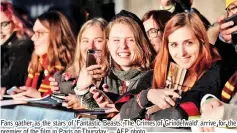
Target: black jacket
{"x": 227, "y": 53}
{"x": 15, "y": 57}
{"x": 211, "y": 82}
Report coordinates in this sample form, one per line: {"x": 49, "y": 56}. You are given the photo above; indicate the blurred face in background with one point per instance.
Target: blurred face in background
{"x": 122, "y": 45}
{"x": 183, "y": 47}
{"x": 40, "y": 38}
{"x": 165, "y": 2}
{"x": 92, "y": 38}
{"x": 232, "y": 9}
{"x": 153, "y": 33}
{"x": 7, "y": 27}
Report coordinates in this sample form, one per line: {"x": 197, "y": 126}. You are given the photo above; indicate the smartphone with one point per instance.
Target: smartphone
{"x": 104, "y": 95}
{"x": 232, "y": 18}
{"x": 93, "y": 57}
{"x": 58, "y": 97}
{"x": 233, "y": 34}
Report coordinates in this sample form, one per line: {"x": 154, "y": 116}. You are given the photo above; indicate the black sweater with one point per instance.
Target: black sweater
{"x": 15, "y": 57}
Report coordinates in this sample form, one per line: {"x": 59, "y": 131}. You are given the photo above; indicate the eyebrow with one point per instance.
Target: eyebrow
{"x": 122, "y": 37}
{"x": 94, "y": 38}
{"x": 184, "y": 40}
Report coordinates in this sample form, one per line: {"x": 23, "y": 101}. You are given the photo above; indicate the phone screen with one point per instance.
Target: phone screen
{"x": 93, "y": 57}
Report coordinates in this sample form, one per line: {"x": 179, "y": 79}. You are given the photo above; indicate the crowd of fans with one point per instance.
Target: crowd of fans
{"x": 133, "y": 71}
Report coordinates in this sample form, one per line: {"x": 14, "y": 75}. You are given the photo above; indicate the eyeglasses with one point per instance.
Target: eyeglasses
{"x": 231, "y": 9}
{"x": 39, "y": 34}
{"x": 6, "y": 25}
{"x": 152, "y": 33}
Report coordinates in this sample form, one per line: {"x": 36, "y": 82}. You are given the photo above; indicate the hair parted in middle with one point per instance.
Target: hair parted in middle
{"x": 79, "y": 62}
{"x": 62, "y": 42}
{"x": 144, "y": 54}
{"x": 206, "y": 57}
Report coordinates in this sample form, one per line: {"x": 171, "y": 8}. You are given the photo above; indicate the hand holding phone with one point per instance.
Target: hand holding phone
{"x": 228, "y": 29}
{"x": 104, "y": 95}
{"x": 232, "y": 18}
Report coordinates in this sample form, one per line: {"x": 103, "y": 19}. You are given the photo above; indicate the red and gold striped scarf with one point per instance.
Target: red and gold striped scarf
{"x": 33, "y": 79}
{"x": 230, "y": 88}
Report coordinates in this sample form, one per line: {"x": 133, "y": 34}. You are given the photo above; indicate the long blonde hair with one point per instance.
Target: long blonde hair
{"x": 79, "y": 62}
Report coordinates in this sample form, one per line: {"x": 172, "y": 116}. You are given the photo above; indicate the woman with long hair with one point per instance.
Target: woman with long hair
{"x": 54, "y": 50}
{"x": 186, "y": 44}
{"x": 126, "y": 40}
{"x": 91, "y": 36}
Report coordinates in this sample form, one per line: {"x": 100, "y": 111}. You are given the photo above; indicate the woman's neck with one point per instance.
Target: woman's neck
{"x": 125, "y": 68}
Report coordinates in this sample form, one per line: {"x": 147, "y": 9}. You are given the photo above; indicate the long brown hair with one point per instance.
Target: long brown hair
{"x": 207, "y": 55}
{"x": 161, "y": 17}
{"x": 143, "y": 54}
{"x": 61, "y": 42}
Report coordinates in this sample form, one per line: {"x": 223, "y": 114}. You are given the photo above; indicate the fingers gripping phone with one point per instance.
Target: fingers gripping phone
{"x": 106, "y": 97}
{"x": 232, "y": 18}
{"x": 234, "y": 34}
{"x": 93, "y": 57}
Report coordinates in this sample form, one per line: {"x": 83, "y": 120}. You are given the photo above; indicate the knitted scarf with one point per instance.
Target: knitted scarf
{"x": 120, "y": 82}
{"x": 40, "y": 80}
{"x": 230, "y": 88}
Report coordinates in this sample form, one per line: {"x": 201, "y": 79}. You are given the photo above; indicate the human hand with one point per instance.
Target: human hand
{"x": 212, "y": 114}
{"x": 103, "y": 100}
{"x": 2, "y": 92}
{"x": 25, "y": 93}
{"x": 116, "y": 117}
{"x": 54, "y": 84}
{"x": 210, "y": 104}
{"x": 89, "y": 76}
{"x": 226, "y": 29}
{"x": 161, "y": 97}
{"x": 72, "y": 101}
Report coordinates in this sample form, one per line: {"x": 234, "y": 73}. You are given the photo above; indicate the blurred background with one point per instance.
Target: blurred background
{"x": 81, "y": 10}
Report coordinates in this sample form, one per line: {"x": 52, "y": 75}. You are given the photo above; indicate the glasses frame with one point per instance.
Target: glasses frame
{"x": 229, "y": 10}
{"x": 39, "y": 34}
{"x": 149, "y": 32}
{"x": 7, "y": 25}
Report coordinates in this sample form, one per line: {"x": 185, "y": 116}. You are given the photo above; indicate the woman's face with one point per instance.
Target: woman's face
{"x": 40, "y": 38}
{"x": 153, "y": 33}
{"x": 92, "y": 38}
{"x": 122, "y": 45}
{"x": 7, "y": 27}
{"x": 165, "y": 2}
{"x": 183, "y": 47}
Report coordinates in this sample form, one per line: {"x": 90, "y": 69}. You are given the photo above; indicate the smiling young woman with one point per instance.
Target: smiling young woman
{"x": 185, "y": 43}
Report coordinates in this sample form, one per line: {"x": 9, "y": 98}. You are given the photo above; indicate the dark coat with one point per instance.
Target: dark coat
{"x": 211, "y": 82}
{"x": 15, "y": 57}
{"x": 227, "y": 53}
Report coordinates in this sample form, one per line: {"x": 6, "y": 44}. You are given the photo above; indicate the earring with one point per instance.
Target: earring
{"x": 110, "y": 61}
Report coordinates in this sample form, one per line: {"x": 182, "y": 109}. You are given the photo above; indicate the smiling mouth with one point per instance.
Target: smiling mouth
{"x": 184, "y": 59}
{"x": 2, "y": 36}
{"x": 124, "y": 55}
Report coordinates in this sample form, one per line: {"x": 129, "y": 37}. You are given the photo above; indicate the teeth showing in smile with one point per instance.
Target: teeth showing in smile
{"x": 123, "y": 54}
{"x": 184, "y": 59}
